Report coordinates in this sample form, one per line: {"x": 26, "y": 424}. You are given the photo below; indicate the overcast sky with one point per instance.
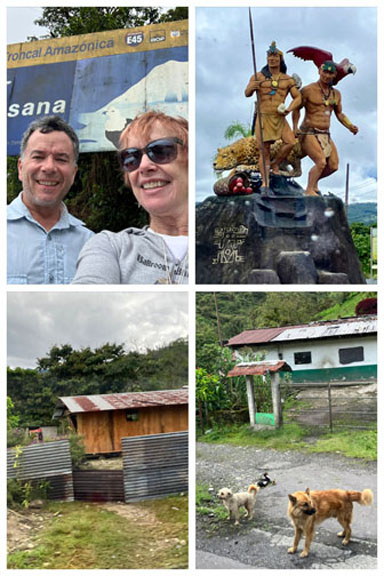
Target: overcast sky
{"x": 39, "y": 320}
{"x": 224, "y": 66}
{"x": 20, "y": 23}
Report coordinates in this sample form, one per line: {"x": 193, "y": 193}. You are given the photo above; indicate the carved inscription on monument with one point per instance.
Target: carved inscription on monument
{"x": 228, "y": 240}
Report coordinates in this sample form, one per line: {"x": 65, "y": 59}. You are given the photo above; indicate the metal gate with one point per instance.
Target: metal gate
{"x": 98, "y": 485}
{"x": 336, "y": 405}
{"x": 155, "y": 465}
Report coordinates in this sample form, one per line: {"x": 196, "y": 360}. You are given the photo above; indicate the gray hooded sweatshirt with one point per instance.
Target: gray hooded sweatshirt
{"x": 132, "y": 256}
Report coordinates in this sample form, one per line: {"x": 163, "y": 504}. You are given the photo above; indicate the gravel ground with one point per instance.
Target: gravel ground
{"x": 263, "y": 542}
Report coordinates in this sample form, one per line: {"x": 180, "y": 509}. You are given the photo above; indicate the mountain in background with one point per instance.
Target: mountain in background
{"x": 364, "y": 212}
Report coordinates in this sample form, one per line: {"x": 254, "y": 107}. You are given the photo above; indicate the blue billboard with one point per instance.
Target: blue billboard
{"x": 98, "y": 82}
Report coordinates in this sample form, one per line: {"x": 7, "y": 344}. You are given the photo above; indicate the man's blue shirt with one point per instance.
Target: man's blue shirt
{"x": 36, "y": 256}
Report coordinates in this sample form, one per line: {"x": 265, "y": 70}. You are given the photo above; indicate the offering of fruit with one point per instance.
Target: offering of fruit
{"x": 240, "y": 185}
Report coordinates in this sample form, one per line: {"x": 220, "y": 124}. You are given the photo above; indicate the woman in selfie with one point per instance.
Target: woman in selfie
{"x": 154, "y": 159}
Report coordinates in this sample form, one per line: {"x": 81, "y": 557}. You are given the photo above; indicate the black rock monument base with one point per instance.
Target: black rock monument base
{"x": 275, "y": 236}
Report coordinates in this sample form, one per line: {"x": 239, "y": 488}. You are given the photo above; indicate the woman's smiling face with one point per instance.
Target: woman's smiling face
{"x": 161, "y": 189}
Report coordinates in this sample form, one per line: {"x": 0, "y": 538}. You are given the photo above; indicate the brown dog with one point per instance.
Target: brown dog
{"x": 306, "y": 509}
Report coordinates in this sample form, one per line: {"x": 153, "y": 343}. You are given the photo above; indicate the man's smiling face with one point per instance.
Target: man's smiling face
{"x": 47, "y": 169}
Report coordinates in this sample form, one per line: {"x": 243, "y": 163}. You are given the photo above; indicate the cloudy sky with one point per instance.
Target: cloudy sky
{"x": 20, "y": 23}
{"x": 224, "y": 66}
{"x": 39, "y": 320}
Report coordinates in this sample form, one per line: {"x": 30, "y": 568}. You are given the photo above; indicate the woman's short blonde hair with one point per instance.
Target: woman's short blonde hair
{"x": 145, "y": 122}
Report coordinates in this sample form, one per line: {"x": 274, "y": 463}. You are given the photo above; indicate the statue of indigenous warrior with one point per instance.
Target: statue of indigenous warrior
{"x": 272, "y": 85}
{"x": 319, "y": 100}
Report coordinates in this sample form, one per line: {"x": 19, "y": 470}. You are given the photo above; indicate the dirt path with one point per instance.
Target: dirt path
{"x": 161, "y": 539}
{"x": 22, "y": 528}
{"x": 133, "y": 513}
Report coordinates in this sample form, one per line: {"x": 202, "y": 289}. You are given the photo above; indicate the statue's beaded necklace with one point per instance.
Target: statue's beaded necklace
{"x": 327, "y": 100}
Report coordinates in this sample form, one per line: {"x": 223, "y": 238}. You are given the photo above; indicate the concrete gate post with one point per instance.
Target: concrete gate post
{"x": 251, "y": 400}
{"x": 276, "y": 399}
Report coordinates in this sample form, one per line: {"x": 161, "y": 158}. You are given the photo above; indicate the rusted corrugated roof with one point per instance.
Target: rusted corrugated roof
{"x": 259, "y": 368}
{"x": 328, "y": 329}
{"x": 100, "y": 402}
{"x": 252, "y": 336}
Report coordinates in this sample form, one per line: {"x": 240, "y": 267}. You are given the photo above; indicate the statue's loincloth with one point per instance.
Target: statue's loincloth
{"x": 274, "y": 127}
{"x": 322, "y": 136}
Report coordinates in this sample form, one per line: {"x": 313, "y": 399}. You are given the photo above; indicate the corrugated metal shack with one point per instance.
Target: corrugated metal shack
{"x": 104, "y": 419}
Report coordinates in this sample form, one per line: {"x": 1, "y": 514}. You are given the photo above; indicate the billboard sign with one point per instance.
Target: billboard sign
{"x": 98, "y": 82}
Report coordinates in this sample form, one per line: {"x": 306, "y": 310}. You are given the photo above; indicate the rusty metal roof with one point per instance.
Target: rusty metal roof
{"x": 252, "y": 336}
{"x": 102, "y": 402}
{"x": 328, "y": 329}
{"x": 259, "y": 368}
{"x": 349, "y": 327}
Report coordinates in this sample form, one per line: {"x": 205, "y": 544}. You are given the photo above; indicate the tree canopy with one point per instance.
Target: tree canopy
{"x": 65, "y": 371}
{"x": 71, "y": 21}
{"x": 361, "y": 236}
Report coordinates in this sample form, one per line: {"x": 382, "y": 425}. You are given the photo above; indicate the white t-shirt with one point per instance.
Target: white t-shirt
{"x": 178, "y": 245}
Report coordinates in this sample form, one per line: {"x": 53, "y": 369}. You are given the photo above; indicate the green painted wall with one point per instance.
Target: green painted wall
{"x": 327, "y": 374}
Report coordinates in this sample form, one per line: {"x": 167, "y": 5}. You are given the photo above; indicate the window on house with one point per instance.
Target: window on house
{"x": 302, "y": 357}
{"x": 132, "y": 415}
{"x": 349, "y": 355}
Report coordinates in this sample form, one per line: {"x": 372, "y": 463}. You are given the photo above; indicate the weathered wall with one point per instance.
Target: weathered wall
{"x": 325, "y": 363}
{"x": 102, "y": 431}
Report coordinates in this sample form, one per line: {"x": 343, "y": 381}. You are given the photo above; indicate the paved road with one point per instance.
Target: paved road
{"x": 263, "y": 542}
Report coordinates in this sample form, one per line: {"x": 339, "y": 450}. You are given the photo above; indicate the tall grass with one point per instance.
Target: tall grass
{"x": 292, "y": 436}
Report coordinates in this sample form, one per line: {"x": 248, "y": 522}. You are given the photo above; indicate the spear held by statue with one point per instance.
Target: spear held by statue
{"x": 257, "y": 114}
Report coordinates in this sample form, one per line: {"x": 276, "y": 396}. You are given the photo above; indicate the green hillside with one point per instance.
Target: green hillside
{"x": 344, "y": 309}
{"x": 364, "y": 212}
{"x": 234, "y": 312}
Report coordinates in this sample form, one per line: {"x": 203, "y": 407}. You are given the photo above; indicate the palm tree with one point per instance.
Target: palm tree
{"x": 236, "y": 129}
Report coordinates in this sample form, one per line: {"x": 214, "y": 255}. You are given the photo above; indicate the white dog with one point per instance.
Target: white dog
{"x": 233, "y": 502}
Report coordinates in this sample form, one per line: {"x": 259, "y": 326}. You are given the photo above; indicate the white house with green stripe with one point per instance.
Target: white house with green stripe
{"x": 343, "y": 349}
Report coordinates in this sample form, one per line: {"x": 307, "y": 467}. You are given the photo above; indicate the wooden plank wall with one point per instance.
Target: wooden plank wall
{"x": 102, "y": 431}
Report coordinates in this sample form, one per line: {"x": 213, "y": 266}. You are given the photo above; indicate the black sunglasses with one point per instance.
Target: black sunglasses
{"x": 160, "y": 151}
